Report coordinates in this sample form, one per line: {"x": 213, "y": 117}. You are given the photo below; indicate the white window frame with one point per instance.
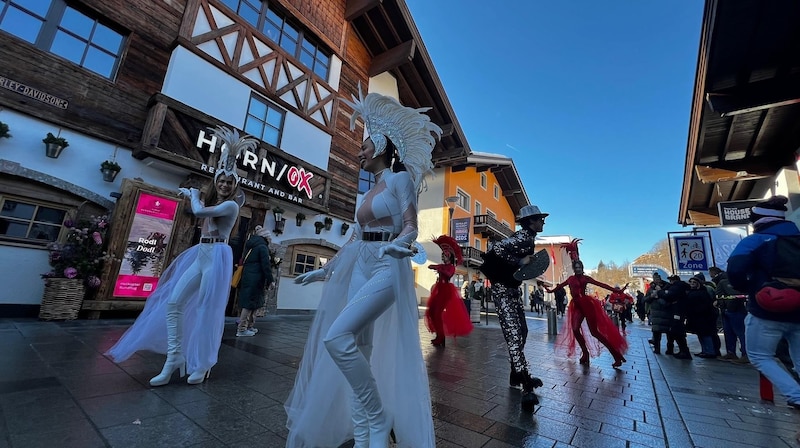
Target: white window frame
{"x": 484, "y": 181}
{"x": 496, "y": 191}
{"x": 478, "y": 208}
{"x": 463, "y": 199}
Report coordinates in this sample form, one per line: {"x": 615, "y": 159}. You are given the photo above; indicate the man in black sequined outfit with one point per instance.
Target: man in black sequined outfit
{"x": 500, "y": 263}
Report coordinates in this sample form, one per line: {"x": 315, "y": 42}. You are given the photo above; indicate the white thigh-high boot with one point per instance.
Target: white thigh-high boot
{"x": 356, "y": 370}
{"x": 360, "y": 422}
{"x": 175, "y": 358}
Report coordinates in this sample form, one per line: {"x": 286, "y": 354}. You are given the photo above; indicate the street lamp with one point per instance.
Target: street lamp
{"x": 451, "y": 202}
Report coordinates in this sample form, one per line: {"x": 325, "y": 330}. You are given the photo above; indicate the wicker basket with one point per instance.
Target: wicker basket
{"x": 62, "y": 299}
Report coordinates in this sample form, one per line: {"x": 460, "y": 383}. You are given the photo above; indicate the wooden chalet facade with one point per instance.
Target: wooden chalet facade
{"x": 142, "y": 82}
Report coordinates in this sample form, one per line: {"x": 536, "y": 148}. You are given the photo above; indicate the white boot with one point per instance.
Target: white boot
{"x": 360, "y": 425}
{"x": 198, "y": 376}
{"x": 175, "y": 358}
{"x": 356, "y": 370}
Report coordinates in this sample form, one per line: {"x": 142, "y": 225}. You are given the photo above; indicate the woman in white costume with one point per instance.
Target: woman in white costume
{"x": 362, "y": 374}
{"x": 193, "y": 291}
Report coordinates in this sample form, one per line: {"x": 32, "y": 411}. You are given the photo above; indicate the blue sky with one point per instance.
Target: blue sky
{"x": 591, "y": 99}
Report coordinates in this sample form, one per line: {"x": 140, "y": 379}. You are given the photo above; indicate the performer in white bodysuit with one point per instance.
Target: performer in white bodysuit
{"x": 193, "y": 291}
{"x": 362, "y": 373}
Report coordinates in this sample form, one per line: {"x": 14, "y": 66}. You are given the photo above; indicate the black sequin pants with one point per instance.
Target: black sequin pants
{"x": 511, "y": 313}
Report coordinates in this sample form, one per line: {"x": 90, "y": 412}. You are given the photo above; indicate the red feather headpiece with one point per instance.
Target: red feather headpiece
{"x": 450, "y": 246}
{"x": 572, "y": 249}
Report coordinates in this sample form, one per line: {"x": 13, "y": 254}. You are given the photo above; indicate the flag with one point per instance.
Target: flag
{"x": 552, "y": 255}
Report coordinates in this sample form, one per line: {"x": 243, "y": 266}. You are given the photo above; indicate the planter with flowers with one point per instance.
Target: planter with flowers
{"x": 328, "y": 222}
{"x": 76, "y": 264}
{"x": 318, "y": 226}
{"x": 298, "y": 219}
{"x": 110, "y": 169}
{"x": 53, "y": 145}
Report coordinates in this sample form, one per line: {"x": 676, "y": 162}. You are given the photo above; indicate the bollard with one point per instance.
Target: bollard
{"x": 552, "y": 322}
{"x": 765, "y": 388}
{"x": 475, "y": 312}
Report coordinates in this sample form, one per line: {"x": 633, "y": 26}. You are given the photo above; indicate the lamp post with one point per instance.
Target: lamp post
{"x": 451, "y": 202}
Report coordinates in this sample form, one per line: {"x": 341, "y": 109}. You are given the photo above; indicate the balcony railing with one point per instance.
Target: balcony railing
{"x": 489, "y": 227}
{"x": 472, "y": 257}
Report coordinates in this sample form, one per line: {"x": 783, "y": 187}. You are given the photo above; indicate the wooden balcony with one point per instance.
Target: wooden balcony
{"x": 473, "y": 258}
{"x": 491, "y": 228}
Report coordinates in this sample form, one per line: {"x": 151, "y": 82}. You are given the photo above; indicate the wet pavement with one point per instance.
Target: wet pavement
{"x": 57, "y": 389}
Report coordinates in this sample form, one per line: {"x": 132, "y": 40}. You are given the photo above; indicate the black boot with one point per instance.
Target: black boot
{"x": 683, "y": 355}
{"x": 529, "y": 398}
{"x": 514, "y": 379}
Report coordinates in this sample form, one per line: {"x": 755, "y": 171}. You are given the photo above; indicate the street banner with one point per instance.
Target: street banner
{"x": 461, "y": 230}
{"x": 149, "y": 236}
{"x": 691, "y": 253}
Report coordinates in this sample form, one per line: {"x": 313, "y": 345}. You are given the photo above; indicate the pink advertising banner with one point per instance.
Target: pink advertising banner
{"x": 147, "y": 242}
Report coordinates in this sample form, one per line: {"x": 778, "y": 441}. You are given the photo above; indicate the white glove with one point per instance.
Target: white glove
{"x": 395, "y": 251}
{"x": 317, "y": 275}
{"x": 185, "y": 192}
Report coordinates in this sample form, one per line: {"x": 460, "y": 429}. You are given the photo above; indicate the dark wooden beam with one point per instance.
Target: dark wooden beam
{"x": 393, "y": 58}
{"x": 704, "y": 217}
{"x": 356, "y": 8}
{"x": 755, "y": 96}
{"x": 733, "y": 172}
{"x": 447, "y": 130}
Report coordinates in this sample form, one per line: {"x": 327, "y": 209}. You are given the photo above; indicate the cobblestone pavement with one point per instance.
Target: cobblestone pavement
{"x": 57, "y": 390}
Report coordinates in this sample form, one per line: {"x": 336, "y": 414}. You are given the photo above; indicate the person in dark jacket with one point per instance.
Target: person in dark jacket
{"x": 701, "y": 316}
{"x": 256, "y": 277}
{"x": 731, "y": 304}
{"x": 675, "y": 295}
{"x": 748, "y": 269}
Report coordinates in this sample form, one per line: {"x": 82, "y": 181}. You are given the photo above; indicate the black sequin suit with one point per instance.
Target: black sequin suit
{"x": 500, "y": 263}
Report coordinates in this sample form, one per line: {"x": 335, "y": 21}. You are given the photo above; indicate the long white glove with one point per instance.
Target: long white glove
{"x": 317, "y": 275}
{"x": 394, "y": 250}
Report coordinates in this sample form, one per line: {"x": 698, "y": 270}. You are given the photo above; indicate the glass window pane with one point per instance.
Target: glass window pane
{"x": 77, "y": 23}
{"x": 20, "y": 24}
{"x": 291, "y": 32}
{"x": 306, "y": 58}
{"x": 275, "y": 118}
{"x": 106, "y": 38}
{"x": 271, "y": 31}
{"x": 233, "y": 4}
{"x": 45, "y": 214}
{"x": 68, "y": 47}
{"x": 274, "y": 18}
{"x": 321, "y": 70}
{"x": 309, "y": 47}
{"x": 44, "y": 232}
{"x": 323, "y": 59}
{"x": 39, "y": 7}
{"x": 13, "y": 228}
{"x": 257, "y": 108}
{"x": 253, "y": 127}
{"x": 288, "y": 44}
{"x": 249, "y": 14}
{"x": 270, "y": 135}
{"x": 16, "y": 209}
{"x": 99, "y": 61}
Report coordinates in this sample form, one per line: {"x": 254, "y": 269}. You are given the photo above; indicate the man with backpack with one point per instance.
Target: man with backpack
{"x": 766, "y": 265}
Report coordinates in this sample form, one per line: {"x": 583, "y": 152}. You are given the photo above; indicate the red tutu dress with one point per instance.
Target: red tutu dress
{"x": 588, "y": 322}
{"x": 446, "y": 314}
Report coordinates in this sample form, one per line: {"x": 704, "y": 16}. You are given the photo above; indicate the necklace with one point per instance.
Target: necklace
{"x": 379, "y": 175}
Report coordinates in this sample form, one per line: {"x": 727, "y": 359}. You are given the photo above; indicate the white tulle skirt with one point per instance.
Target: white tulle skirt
{"x": 203, "y": 313}
{"x": 318, "y": 408}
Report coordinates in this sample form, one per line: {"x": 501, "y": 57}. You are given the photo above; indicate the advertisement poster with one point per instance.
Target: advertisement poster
{"x": 461, "y": 230}
{"x": 147, "y": 242}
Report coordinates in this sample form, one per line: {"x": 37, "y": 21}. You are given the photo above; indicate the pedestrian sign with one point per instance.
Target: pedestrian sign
{"x": 691, "y": 253}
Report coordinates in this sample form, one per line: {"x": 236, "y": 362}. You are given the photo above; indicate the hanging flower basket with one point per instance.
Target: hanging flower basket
{"x": 62, "y": 298}
{"x": 318, "y": 226}
{"x": 299, "y": 219}
{"x": 53, "y": 145}
{"x": 328, "y": 222}
{"x": 110, "y": 169}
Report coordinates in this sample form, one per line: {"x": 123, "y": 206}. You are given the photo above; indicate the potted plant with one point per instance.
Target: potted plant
{"x": 328, "y": 222}
{"x": 318, "y": 226}
{"x": 299, "y": 219}
{"x": 54, "y": 145}
{"x": 110, "y": 169}
{"x": 77, "y": 265}
{"x": 4, "y": 130}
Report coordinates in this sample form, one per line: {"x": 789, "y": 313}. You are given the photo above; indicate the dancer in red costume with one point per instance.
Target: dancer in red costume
{"x": 586, "y": 315}
{"x": 446, "y": 314}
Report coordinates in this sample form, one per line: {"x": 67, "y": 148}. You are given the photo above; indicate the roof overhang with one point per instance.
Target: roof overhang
{"x": 506, "y": 174}
{"x": 388, "y": 32}
{"x": 745, "y": 117}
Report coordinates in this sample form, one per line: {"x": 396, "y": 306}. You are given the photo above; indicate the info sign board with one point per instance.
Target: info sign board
{"x": 149, "y": 236}
{"x": 691, "y": 253}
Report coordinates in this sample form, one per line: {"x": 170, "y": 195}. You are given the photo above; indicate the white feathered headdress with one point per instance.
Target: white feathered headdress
{"x": 409, "y": 129}
{"x": 233, "y": 146}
